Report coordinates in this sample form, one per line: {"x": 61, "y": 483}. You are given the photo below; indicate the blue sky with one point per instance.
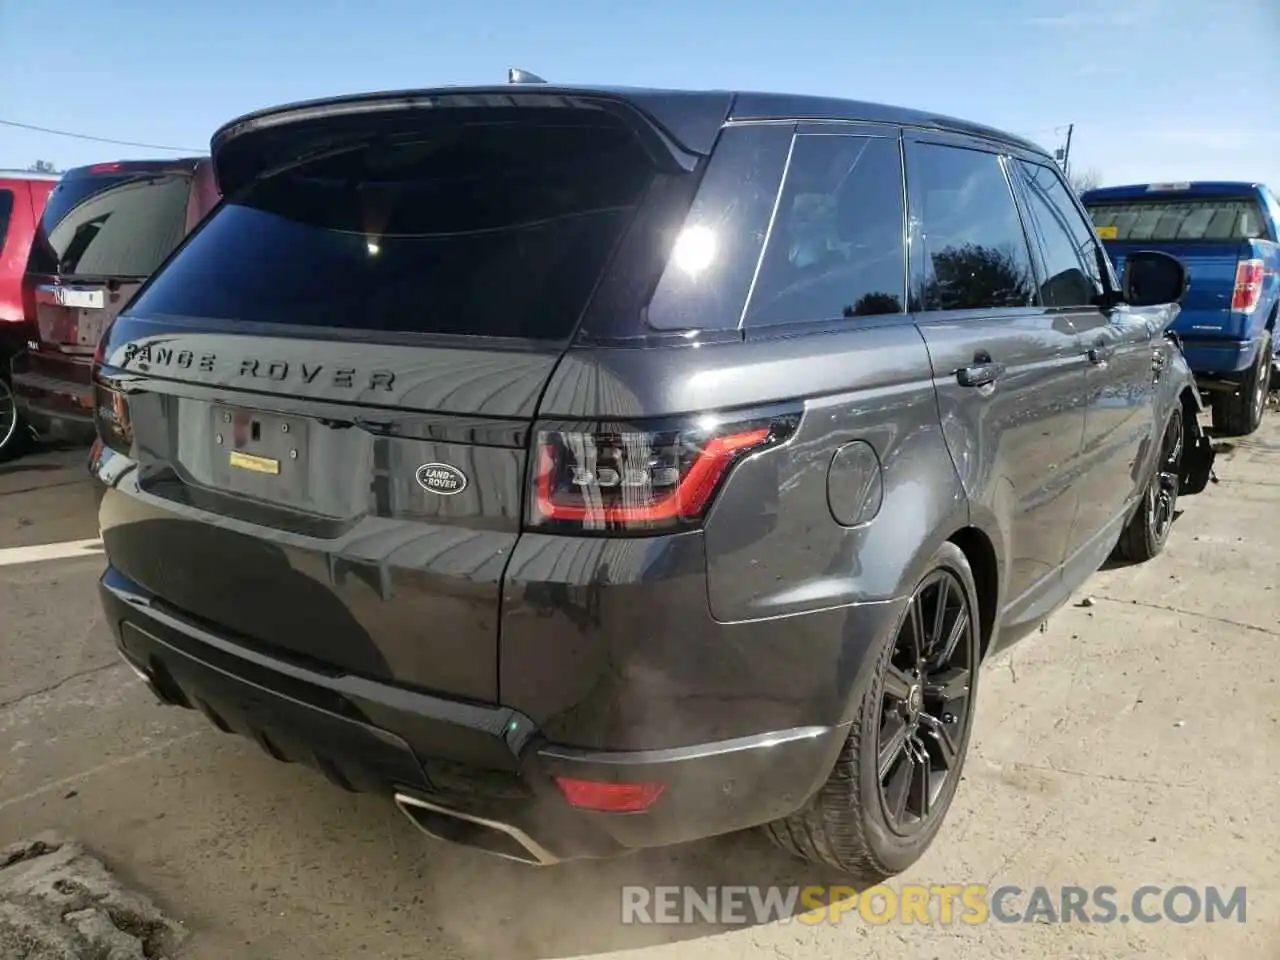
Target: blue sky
{"x": 1157, "y": 89}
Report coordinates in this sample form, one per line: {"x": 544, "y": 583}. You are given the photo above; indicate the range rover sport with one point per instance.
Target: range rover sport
{"x": 592, "y": 469}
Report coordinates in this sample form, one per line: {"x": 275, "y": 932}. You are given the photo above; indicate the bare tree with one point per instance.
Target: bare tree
{"x": 1087, "y": 179}
{"x": 43, "y": 166}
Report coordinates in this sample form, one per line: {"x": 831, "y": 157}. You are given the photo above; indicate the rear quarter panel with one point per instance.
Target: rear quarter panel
{"x": 768, "y": 614}
{"x": 773, "y": 546}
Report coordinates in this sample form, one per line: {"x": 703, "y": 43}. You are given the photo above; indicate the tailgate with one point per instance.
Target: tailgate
{"x": 103, "y": 231}
{"x": 329, "y": 390}
{"x": 286, "y": 496}
{"x": 1210, "y": 232}
{"x": 71, "y": 316}
{"x": 1211, "y": 270}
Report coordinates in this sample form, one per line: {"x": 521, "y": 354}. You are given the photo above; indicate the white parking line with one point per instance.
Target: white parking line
{"x": 50, "y": 551}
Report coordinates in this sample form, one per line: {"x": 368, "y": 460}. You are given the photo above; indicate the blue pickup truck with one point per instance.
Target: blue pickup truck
{"x": 1228, "y": 236}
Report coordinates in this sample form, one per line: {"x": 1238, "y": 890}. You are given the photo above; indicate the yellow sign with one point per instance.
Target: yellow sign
{"x": 247, "y": 461}
{"x": 1106, "y": 233}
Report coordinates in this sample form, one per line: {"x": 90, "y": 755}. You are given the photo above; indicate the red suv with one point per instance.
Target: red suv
{"x": 22, "y": 199}
{"x": 105, "y": 228}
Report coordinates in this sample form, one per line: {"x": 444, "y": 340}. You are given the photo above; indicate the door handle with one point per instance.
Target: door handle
{"x": 981, "y": 374}
{"x": 1100, "y": 353}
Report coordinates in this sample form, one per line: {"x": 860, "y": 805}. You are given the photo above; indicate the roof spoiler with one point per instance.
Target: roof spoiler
{"x": 675, "y": 128}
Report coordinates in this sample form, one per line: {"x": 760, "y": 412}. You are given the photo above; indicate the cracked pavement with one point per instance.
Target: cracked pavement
{"x": 1135, "y": 741}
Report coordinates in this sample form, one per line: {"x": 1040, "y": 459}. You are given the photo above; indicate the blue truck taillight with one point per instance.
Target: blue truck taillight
{"x": 1248, "y": 289}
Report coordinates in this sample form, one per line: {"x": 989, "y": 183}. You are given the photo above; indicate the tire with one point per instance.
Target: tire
{"x": 1148, "y": 529}
{"x": 15, "y": 434}
{"x": 1240, "y": 414}
{"x": 849, "y": 824}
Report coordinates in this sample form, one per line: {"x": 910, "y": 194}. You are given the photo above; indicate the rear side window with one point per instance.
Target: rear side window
{"x": 715, "y": 253}
{"x": 1072, "y": 276}
{"x": 836, "y": 246}
{"x": 1169, "y": 221}
{"x": 6, "y": 213}
{"x": 111, "y": 225}
{"x": 974, "y": 250}
{"x": 487, "y": 229}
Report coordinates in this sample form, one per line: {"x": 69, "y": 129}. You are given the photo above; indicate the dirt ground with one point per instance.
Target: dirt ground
{"x": 1135, "y": 741}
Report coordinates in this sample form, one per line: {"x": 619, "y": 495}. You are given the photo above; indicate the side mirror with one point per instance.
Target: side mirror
{"x": 1152, "y": 277}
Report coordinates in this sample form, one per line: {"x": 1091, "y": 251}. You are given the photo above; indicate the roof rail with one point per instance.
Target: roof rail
{"x": 516, "y": 75}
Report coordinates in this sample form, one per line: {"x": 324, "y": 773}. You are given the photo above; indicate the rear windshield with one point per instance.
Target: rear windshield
{"x": 1174, "y": 220}
{"x": 111, "y": 225}
{"x": 489, "y": 229}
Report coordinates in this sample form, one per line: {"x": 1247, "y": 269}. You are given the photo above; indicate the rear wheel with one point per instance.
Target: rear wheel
{"x": 898, "y": 771}
{"x": 1148, "y": 530}
{"x": 1240, "y": 413}
{"x": 14, "y": 432}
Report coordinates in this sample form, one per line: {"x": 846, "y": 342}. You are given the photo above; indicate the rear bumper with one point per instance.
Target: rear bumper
{"x": 54, "y": 394}
{"x": 487, "y": 771}
{"x": 1209, "y": 357}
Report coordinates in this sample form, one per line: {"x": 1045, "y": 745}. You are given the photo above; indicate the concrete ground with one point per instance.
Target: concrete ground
{"x": 1136, "y": 741}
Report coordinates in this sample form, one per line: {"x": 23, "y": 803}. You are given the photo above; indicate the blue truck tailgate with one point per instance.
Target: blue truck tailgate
{"x": 1211, "y": 268}
{"x": 1225, "y": 234}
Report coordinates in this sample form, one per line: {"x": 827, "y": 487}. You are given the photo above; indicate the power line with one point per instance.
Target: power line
{"x": 85, "y": 136}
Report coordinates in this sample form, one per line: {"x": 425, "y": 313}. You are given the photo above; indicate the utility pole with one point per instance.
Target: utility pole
{"x": 1066, "y": 153}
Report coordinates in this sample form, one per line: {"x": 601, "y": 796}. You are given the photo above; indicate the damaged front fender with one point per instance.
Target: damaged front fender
{"x": 1198, "y": 453}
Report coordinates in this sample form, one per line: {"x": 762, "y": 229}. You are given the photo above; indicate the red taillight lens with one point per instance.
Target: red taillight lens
{"x": 610, "y": 797}
{"x": 1248, "y": 291}
{"x": 111, "y": 418}
{"x": 29, "y": 306}
{"x": 628, "y": 480}
{"x": 104, "y": 167}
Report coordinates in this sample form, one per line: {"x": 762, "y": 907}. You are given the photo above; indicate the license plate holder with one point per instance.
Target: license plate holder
{"x": 88, "y": 327}
{"x": 261, "y": 455}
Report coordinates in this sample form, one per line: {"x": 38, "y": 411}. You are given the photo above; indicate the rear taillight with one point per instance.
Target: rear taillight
{"x": 630, "y": 479}
{"x": 1248, "y": 291}
{"x": 111, "y": 418}
{"x": 29, "y": 306}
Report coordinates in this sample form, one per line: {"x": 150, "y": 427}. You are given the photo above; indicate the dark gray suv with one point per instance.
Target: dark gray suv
{"x": 600, "y": 469}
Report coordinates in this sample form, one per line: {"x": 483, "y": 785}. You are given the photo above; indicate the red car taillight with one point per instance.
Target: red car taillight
{"x": 631, "y": 480}
{"x": 29, "y": 306}
{"x": 1248, "y": 291}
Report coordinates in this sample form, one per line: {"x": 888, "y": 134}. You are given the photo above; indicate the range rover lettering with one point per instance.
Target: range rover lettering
{"x": 594, "y": 469}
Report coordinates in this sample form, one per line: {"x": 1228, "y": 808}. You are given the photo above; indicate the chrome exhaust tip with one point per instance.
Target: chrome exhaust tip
{"x": 489, "y": 836}
{"x": 146, "y": 679}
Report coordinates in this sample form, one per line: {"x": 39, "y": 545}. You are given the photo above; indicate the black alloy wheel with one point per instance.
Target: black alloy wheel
{"x": 1147, "y": 532}
{"x": 926, "y": 702}
{"x": 1162, "y": 493}
{"x": 13, "y": 432}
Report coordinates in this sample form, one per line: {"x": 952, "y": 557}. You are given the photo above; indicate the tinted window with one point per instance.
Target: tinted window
{"x": 974, "y": 251}
{"x": 1168, "y": 221}
{"x": 6, "y": 211}
{"x": 486, "y": 229}
{"x": 836, "y": 248}
{"x": 1066, "y": 243}
{"x": 111, "y": 225}
{"x": 706, "y": 287}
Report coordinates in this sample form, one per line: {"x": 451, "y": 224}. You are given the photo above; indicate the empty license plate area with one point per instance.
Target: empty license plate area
{"x": 261, "y": 455}
{"x": 88, "y": 328}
